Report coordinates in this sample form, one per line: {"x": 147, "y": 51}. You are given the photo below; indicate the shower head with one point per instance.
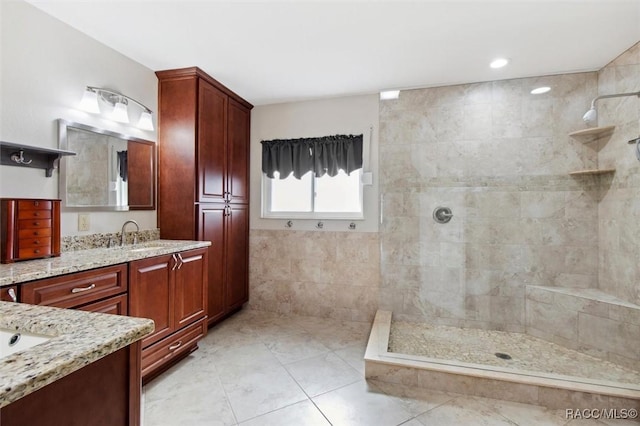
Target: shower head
{"x": 592, "y": 114}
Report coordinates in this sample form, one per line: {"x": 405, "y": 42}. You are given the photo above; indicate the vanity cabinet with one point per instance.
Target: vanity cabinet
{"x": 172, "y": 291}
{"x": 203, "y": 185}
{"x": 96, "y": 290}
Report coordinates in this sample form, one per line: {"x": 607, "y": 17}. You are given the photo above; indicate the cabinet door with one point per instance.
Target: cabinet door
{"x": 237, "y": 280}
{"x": 212, "y": 116}
{"x": 190, "y": 286}
{"x": 177, "y": 157}
{"x": 151, "y": 294}
{"x": 211, "y": 228}
{"x": 238, "y": 153}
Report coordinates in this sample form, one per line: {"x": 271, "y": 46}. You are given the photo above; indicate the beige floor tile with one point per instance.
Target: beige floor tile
{"x": 466, "y": 411}
{"x": 295, "y": 347}
{"x": 357, "y": 405}
{"x": 194, "y": 402}
{"x": 300, "y": 414}
{"x": 239, "y": 360}
{"x": 257, "y": 392}
{"x": 412, "y": 422}
{"x": 354, "y": 356}
{"x": 322, "y": 373}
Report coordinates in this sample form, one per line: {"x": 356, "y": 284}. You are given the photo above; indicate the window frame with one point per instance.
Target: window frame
{"x": 268, "y": 214}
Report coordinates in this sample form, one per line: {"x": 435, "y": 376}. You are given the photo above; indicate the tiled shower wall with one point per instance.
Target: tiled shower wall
{"x": 324, "y": 274}
{"x": 619, "y": 211}
{"x": 500, "y": 158}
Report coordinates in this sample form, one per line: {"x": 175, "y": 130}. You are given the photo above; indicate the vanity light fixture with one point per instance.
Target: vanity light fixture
{"x": 389, "y": 94}
{"x": 540, "y": 90}
{"x": 120, "y": 105}
{"x": 498, "y": 63}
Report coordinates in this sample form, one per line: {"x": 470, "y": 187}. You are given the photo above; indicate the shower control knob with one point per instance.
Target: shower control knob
{"x": 442, "y": 214}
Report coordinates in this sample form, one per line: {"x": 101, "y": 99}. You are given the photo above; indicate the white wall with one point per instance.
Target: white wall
{"x": 346, "y": 115}
{"x": 45, "y": 66}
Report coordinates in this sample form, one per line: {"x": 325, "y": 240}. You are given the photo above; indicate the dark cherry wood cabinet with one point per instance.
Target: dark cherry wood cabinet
{"x": 105, "y": 392}
{"x": 203, "y": 184}
{"x": 77, "y": 289}
{"x": 172, "y": 291}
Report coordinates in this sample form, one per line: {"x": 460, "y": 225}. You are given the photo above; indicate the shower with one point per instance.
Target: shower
{"x": 592, "y": 115}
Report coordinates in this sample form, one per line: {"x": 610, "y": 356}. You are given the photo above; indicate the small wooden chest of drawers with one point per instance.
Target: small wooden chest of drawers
{"x": 30, "y": 229}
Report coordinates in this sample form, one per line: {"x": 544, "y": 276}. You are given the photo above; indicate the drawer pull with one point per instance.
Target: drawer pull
{"x": 175, "y": 346}
{"x": 12, "y": 294}
{"x": 81, "y": 289}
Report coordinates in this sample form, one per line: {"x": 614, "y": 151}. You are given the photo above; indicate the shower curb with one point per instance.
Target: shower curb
{"x": 555, "y": 392}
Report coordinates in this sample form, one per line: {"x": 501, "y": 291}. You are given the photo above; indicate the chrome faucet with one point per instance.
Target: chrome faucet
{"x": 135, "y": 237}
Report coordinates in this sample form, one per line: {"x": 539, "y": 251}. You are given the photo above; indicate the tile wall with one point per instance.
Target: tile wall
{"x": 500, "y": 158}
{"x": 619, "y": 210}
{"x": 323, "y": 274}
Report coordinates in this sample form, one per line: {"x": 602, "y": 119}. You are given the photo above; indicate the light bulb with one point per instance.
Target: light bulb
{"x": 120, "y": 113}
{"x": 89, "y": 101}
{"x": 145, "y": 122}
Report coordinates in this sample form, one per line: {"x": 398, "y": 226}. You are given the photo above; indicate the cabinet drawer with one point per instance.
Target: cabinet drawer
{"x": 182, "y": 341}
{"x": 31, "y": 252}
{"x": 34, "y": 223}
{"x": 34, "y": 214}
{"x": 33, "y": 233}
{"x": 116, "y": 305}
{"x": 33, "y": 242}
{"x": 34, "y": 205}
{"x": 77, "y": 289}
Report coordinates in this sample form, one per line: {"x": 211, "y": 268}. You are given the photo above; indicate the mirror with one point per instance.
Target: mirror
{"x": 110, "y": 171}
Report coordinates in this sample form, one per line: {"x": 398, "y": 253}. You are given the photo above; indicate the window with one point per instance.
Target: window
{"x": 323, "y": 178}
{"x": 326, "y": 197}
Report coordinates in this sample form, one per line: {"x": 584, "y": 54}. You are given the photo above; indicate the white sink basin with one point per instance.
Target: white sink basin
{"x": 12, "y": 341}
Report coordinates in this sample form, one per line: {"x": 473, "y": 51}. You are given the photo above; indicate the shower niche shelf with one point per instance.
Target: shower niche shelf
{"x": 591, "y": 134}
{"x": 592, "y": 172}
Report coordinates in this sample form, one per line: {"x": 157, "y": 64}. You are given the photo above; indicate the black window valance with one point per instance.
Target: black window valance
{"x": 324, "y": 155}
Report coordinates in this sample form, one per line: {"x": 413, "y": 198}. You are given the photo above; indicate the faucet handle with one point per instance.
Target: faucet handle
{"x": 111, "y": 242}
{"x": 135, "y": 238}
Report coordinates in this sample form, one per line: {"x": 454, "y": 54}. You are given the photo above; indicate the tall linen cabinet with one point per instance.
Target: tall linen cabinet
{"x": 203, "y": 179}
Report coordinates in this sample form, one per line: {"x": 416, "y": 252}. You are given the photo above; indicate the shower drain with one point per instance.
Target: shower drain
{"x": 503, "y": 355}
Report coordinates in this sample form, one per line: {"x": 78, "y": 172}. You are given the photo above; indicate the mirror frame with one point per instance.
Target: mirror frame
{"x": 62, "y": 182}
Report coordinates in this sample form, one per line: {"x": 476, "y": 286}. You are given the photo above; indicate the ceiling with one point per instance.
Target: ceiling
{"x": 271, "y": 52}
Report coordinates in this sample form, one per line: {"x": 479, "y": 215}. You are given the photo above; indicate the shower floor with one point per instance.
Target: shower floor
{"x": 480, "y": 346}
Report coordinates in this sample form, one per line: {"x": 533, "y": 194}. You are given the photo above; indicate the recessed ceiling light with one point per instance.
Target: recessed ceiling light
{"x": 540, "y": 90}
{"x": 499, "y": 63}
{"x": 389, "y": 94}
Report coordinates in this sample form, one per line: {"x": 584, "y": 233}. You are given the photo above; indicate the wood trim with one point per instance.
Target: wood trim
{"x": 135, "y": 383}
{"x": 197, "y": 72}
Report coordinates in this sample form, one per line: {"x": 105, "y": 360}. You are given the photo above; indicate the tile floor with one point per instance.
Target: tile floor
{"x": 261, "y": 369}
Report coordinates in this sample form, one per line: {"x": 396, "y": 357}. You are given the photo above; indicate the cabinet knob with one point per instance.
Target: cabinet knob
{"x": 36, "y": 233}
{"x": 36, "y": 223}
{"x": 36, "y": 203}
{"x": 36, "y": 242}
{"x": 36, "y": 251}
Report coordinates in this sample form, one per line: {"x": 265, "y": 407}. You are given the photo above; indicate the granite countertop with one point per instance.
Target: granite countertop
{"x": 80, "y": 339}
{"x": 82, "y": 260}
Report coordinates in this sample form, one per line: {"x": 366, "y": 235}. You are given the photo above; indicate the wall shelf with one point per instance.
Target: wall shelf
{"x": 592, "y": 133}
{"x": 14, "y": 154}
{"x": 592, "y": 172}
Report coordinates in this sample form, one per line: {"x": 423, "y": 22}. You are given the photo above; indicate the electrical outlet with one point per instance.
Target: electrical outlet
{"x": 83, "y": 222}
